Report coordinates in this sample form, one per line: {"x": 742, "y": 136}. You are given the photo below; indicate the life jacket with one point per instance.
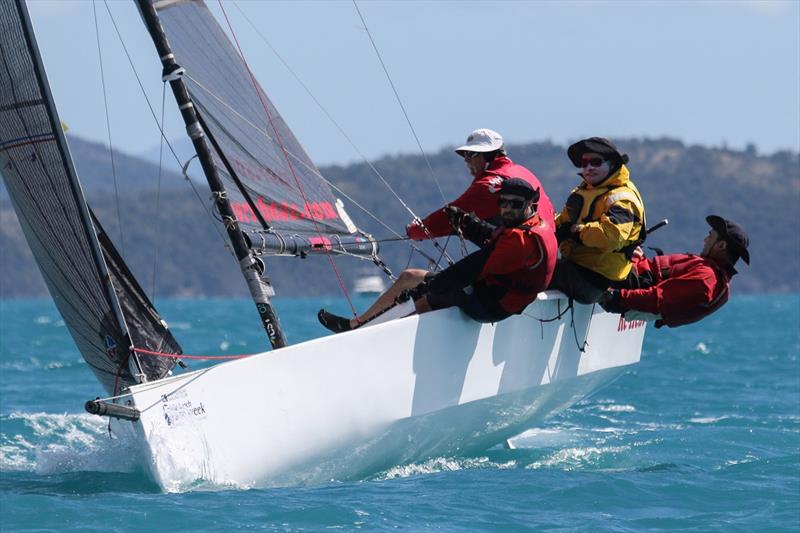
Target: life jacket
{"x": 678, "y": 265}
{"x": 522, "y": 286}
{"x": 504, "y": 168}
{"x": 587, "y": 204}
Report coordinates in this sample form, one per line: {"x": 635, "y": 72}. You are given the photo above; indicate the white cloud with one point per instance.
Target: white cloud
{"x": 767, "y": 7}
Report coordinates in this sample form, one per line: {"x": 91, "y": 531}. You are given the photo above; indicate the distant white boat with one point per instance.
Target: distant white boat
{"x": 371, "y": 285}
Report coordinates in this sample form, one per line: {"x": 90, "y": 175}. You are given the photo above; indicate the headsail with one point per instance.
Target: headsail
{"x": 91, "y": 286}
{"x": 282, "y": 181}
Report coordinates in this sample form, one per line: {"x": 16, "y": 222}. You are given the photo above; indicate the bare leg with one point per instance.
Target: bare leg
{"x": 408, "y": 280}
{"x": 422, "y": 306}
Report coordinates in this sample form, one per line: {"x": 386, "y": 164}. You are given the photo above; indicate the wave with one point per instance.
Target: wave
{"x": 36, "y": 364}
{"x": 51, "y": 444}
{"x": 443, "y": 464}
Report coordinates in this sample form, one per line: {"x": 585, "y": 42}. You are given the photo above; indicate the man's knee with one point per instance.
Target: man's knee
{"x": 410, "y": 278}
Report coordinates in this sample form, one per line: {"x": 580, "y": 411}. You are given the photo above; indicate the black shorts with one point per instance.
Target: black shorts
{"x": 479, "y": 302}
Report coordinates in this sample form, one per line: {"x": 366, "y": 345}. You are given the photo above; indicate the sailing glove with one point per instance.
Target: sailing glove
{"x": 564, "y": 233}
{"x": 610, "y": 301}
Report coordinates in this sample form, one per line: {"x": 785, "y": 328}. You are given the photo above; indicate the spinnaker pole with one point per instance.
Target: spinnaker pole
{"x": 252, "y": 268}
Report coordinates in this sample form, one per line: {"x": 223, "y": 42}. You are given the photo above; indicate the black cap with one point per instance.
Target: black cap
{"x": 597, "y": 145}
{"x": 733, "y": 234}
{"x": 519, "y": 187}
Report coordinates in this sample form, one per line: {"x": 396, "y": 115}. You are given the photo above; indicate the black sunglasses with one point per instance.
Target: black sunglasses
{"x": 469, "y": 155}
{"x": 594, "y": 162}
{"x": 513, "y": 204}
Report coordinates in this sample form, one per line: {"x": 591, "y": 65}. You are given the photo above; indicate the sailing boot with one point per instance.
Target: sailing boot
{"x": 335, "y": 323}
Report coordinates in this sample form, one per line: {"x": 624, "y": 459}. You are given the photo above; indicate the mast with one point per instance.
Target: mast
{"x": 252, "y": 269}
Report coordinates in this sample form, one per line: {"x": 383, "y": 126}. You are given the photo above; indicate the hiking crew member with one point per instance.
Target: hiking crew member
{"x": 514, "y": 264}
{"x": 602, "y": 223}
{"x": 489, "y": 165}
{"x": 684, "y": 288}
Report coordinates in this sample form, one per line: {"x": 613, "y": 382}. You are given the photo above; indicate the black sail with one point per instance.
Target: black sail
{"x": 277, "y": 174}
{"x": 90, "y": 284}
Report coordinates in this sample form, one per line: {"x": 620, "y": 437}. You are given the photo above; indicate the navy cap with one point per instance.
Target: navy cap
{"x": 733, "y": 234}
{"x": 519, "y": 187}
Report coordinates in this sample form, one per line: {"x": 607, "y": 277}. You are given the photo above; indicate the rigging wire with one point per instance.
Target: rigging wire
{"x": 160, "y": 129}
{"x": 158, "y": 190}
{"x": 327, "y": 114}
{"x": 342, "y": 131}
{"x": 399, "y": 101}
{"x": 108, "y": 127}
{"x": 413, "y": 132}
{"x": 286, "y": 155}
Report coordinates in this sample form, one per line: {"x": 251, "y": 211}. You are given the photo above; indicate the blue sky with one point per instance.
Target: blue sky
{"x": 722, "y": 72}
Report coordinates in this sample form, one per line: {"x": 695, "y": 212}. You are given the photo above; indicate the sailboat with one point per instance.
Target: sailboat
{"x": 336, "y": 407}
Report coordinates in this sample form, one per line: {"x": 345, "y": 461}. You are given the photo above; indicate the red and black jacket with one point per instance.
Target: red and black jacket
{"x": 516, "y": 263}
{"x": 685, "y": 288}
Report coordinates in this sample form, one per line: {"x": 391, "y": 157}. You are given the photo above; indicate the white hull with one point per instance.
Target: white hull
{"x": 346, "y": 405}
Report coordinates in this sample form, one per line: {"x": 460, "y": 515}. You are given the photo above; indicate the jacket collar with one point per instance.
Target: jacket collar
{"x": 617, "y": 179}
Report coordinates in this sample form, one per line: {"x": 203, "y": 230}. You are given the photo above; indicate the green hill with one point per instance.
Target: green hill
{"x": 679, "y": 182}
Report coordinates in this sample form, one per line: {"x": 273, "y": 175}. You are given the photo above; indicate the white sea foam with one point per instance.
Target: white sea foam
{"x": 707, "y": 419}
{"x": 34, "y": 363}
{"x": 44, "y": 319}
{"x": 59, "y": 443}
{"x": 616, "y": 408}
{"x": 443, "y": 464}
{"x": 702, "y": 348}
{"x": 574, "y": 458}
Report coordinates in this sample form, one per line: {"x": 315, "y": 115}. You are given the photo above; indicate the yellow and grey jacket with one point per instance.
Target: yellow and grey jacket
{"x": 611, "y": 220}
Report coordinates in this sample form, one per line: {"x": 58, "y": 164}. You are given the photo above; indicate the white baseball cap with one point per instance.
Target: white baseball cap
{"x": 482, "y": 140}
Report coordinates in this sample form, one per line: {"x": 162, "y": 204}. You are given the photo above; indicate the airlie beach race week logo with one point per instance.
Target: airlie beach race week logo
{"x": 625, "y": 325}
{"x": 179, "y": 409}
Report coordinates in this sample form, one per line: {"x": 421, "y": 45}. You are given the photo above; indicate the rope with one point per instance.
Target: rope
{"x": 184, "y": 356}
{"x": 286, "y": 155}
{"x": 108, "y": 127}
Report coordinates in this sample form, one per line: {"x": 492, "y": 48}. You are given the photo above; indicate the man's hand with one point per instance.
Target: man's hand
{"x": 455, "y": 215}
{"x": 416, "y": 232}
{"x": 610, "y": 301}
{"x": 567, "y": 231}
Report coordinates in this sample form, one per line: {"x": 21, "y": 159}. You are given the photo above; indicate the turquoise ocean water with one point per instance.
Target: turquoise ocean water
{"x": 703, "y": 435}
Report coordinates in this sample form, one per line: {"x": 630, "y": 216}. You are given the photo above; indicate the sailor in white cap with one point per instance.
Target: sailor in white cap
{"x": 489, "y": 165}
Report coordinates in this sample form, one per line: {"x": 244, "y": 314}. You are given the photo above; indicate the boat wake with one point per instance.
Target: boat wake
{"x": 52, "y": 444}
{"x": 48, "y": 444}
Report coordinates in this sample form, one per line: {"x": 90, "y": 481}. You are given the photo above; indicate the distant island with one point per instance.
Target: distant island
{"x": 680, "y": 182}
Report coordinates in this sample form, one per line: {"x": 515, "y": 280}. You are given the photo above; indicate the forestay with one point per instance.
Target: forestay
{"x": 90, "y": 284}
{"x": 276, "y": 172}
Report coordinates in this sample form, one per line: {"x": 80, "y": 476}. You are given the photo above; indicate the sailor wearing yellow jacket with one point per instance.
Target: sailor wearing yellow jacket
{"x": 601, "y": 224}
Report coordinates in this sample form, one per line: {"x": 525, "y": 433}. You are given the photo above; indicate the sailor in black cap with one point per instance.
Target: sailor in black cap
{"x": 514, "y": 264}
{"x": 684, "y": 288}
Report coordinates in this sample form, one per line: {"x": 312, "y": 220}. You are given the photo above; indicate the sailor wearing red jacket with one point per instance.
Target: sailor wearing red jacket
{"x": 514, "y": 264}
{"x": 489, "y": 166}
{"x": 681, "y": 289}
